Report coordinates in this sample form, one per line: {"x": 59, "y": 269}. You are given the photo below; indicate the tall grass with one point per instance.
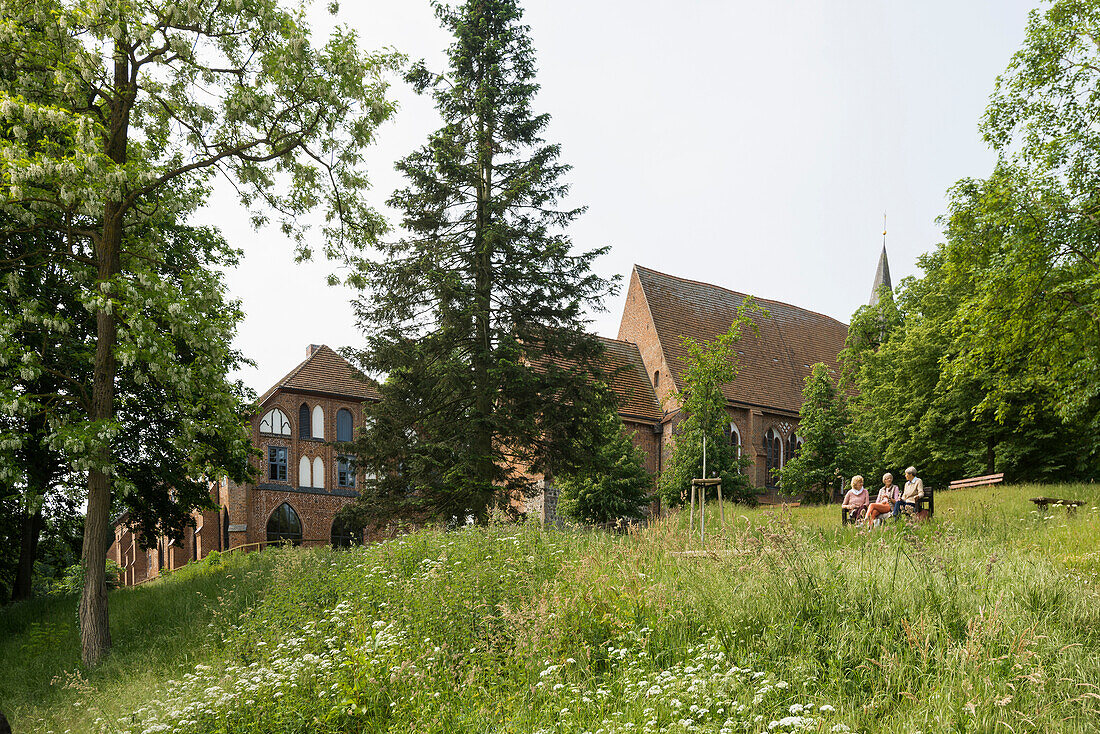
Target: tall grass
{"x": 985, "y": 619}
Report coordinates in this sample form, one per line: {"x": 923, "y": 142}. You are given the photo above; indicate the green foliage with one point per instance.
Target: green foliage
{"x": 522, "y": 622}
{"x": 614, "y": 485}
{"x": 708, "y": 367}
{"x": 993, "y": 362}
{"x": 477, "y": 315}
{"x": 72, "y": 582}
{"x": 830, "y": 453}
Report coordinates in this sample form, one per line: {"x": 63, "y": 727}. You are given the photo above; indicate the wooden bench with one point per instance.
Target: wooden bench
{"x": 926, "y": 507}
{"x": 985, "y": 481}
{"x": 1070, "y": 505}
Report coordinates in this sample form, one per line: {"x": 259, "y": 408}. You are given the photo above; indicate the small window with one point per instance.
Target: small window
{"x": 284, "y": 526}
{"x": 656, "y": 378}
{"x": 304, "y": 430}
{"x": 345, "y": 472}
{"x": 343, "y": 425}
{"x": 276, "y": 463}
{"x": 275, "y": 423}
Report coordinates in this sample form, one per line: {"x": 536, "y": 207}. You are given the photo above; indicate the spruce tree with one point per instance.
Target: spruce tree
{"x": 476, "y": 316}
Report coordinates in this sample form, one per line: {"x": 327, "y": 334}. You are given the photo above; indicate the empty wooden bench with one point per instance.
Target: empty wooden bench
{"x": 985, "y": 481}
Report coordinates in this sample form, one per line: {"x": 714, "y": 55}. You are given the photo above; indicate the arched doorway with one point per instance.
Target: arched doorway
{"x": 345, "y": 533}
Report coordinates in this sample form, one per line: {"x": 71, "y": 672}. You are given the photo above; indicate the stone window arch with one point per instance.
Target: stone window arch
{"x": 794, "y": 445}
{"x": 773, "y": 457}
{"x": 284, "y": 525}
{"x": 275, "y": 423}
{"x": 345, "y": 533}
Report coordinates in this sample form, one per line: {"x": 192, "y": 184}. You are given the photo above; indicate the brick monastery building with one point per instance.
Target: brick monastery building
{"x": 304, "y": 482}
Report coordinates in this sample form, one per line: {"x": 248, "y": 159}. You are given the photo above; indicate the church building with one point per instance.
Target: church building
{"x": 303, "y": 481}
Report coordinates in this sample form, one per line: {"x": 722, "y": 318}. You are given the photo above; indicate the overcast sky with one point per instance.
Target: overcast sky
{"x": 754, "y": 145}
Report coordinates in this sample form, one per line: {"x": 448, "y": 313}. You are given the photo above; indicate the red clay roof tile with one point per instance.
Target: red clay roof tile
{"x": 773, "y": 365}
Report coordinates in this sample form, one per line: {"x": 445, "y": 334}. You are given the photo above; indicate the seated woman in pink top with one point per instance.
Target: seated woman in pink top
{"x": 856, "y": 500}
{"x": 884, "y": 503}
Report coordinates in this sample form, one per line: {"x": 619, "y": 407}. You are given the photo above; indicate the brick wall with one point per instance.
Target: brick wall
{"x": 637, "y": 326}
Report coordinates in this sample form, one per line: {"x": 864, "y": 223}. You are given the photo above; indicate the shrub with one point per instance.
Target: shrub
{"x": 73, "y": 580}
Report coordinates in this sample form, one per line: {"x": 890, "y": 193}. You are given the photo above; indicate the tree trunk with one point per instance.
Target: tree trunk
{"x": 990, "y": 456}
{"x": 484, "y": 396}
{"x": 95, "y": 632}
{"x": 28, "y": 552}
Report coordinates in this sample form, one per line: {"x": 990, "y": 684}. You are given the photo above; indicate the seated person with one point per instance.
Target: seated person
{"x": 856, "y": 500}
{"x": 884, "y": 503}
{"x": 914, "y": 490}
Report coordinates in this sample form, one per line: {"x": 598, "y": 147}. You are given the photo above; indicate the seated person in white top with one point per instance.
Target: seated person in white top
{"x": 913, "y": 491}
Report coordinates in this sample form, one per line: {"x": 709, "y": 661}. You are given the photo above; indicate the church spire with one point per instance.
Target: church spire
{"x": 882, "y": 274}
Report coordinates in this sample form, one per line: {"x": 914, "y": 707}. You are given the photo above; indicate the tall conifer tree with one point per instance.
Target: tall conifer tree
{"x": 477, "y": 315}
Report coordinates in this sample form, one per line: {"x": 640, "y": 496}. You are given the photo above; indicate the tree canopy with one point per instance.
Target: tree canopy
{"x": 477, "y": 314}
{"x": 114, "y": 114}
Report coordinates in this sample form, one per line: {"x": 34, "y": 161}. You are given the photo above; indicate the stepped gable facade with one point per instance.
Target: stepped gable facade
{"x": 764, "y": 401}
{"x": 302, "y": 480}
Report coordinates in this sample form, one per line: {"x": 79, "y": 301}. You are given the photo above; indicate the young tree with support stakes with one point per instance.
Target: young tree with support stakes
{"x": 476, "y": 316}
{"x": 109, "y": 110}
{"x": 710, "y": 366}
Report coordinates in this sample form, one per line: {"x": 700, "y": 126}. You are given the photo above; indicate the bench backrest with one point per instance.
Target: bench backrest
{"x": 977, "y": 481}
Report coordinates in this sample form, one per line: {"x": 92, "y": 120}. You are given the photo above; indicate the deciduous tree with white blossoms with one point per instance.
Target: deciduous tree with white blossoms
{"x": 108, "y": 107}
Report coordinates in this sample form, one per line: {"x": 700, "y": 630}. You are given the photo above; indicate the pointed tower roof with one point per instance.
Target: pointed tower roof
{"x": 882, "y": 277}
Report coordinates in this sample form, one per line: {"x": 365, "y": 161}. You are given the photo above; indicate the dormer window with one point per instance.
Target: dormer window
{"x": 275, "y": 423}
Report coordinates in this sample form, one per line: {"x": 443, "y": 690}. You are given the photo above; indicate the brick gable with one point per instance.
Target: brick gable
{"x": 773, "y": 365}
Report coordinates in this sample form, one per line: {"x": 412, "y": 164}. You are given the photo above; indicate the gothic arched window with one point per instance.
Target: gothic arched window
{"x": 794, "y": 443}
{"x": 345, "y": 533}
{"x": 284, "y": 526}
{"x": 304, "y": 430}
{"x": 343, "y": 425}
{"x": 773, "y": 457}
{"x": 275, "y": 423}
{"x": 225, "y": 528}
{"x": 318, "y": 422}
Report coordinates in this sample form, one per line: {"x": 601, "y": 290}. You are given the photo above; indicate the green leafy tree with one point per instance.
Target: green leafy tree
{"x": 112, "y": 112}
{"x": 180, "y": 419}
{"x": 829, "y": 454}
{"x": 477, "y": 315}
{"x": 615, "y": 484}
{"x": 1043, "y": 207}
{"x": 709, "y": 366}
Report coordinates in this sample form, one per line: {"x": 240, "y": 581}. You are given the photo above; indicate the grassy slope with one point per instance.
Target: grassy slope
{"x": 986, "y": 619}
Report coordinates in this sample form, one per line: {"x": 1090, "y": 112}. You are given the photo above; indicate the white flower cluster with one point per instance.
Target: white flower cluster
{"x": 703, "y": 694}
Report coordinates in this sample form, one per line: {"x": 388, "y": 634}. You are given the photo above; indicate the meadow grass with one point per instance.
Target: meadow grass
{"x": 985, "y": 619}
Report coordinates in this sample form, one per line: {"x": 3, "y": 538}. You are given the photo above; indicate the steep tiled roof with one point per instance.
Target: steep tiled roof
{"x": 773, "y": 365}
{"x": 325, "y": 371}
{"x": 631, "y": 383}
